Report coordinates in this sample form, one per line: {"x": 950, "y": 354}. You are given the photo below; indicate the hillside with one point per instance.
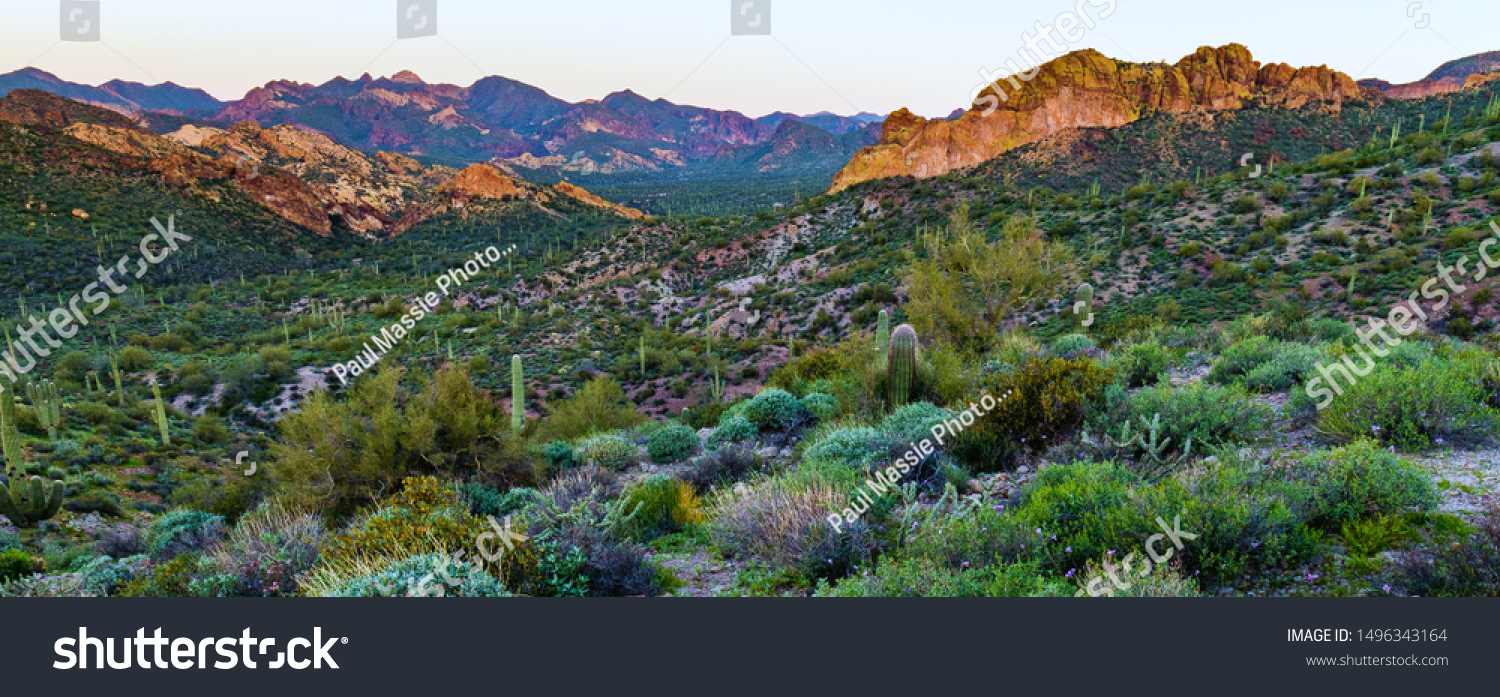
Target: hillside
{"x": 1085, "y": 89}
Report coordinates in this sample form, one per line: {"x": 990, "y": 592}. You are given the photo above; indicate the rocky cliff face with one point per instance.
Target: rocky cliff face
{"x": 1088, "y": 89}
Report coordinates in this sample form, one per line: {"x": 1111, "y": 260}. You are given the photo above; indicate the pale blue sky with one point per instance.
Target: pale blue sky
{"x": 836, "y": 55}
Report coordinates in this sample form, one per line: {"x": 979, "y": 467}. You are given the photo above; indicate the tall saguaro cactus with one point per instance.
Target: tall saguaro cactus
{"x": 47, "y": 404}
{"x": 883, "y": 335}
{"x": 517, "y": 394}
{"x": 9, "y": 434}
{"x": 643, "y": 355}
{"x": 161, "y": 414}
{"x": 114, "y": 370}
{"x": 901, "y": 365}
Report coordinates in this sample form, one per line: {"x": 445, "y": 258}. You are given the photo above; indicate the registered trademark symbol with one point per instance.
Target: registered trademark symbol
{"x": 346, "y": 640}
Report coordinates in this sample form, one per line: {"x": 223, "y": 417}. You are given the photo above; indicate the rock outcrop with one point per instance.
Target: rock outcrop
{"x": 1088, "y": 89}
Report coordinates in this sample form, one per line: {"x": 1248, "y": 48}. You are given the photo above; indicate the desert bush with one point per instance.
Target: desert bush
{"x": 783, "y": 521}
{"x": 120, "y": 541}
{"x": 1468, "y": 568}
{"x": 822, "y": 406}
{"x": 662, "y": 505}
{"x": 1290, "y": 365}
{"x": 673, "y": 443}
{"x": 611, "y": 568}
{"x": 14, "y": 564}
{"x": 853, "y": 447}
{"x": 598, "y": 407}
{"x": 134, "y": 358}
{"x": 723, "y": 466}
{"x": 424, "y": 575}
{"x": 1411, "y": 408}
{"x": 914, "y": 421}
{"x": 1068, "y": 343}
{"x": 774, "y": 409}
{"x": 609, "y": 451}
{"x": 1142, "y": 364}
{"x": 1242, "y": 357}
{"x": 489, "y": 501}
{"x": 559, "y": 455}
{"x": 924, "y": 578}
{"x": 1362, "y": 479}
{"x": 263, "y": 556}
{"x": 335, "y": 457}
{"x": 1207, "y": 414}
{"x": 182, "y": 530}
{"x": 733, "y": 428}
{"x": 1039, "y": 399}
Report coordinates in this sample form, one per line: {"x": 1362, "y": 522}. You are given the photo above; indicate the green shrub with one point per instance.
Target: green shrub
{"x": 851, "y": 447}
{"x": 1068, "y": 343}
{"x": 924, "y": 578}
{"x": 489, "y": 501}
{"x": 182, "y": 530}
{"x": 1208, "y": 414}
{"x": 783, "y": 520}
{"x": 1362, "y": 479}
{"x": 672, "y": 444}
{"x": 14, "y": 564}
{"x": 1142, "y": 364}
{"x": 559, "y": 455}
{"x": 774, "y": 409}
{"x": 1411, "y": 408}
{"x": 823, "y": 406}
{"x": 1240, "y": 358}
{"x": 666, "y": 505}
{"x": 1037, "y": 400}
{"x": 609, "y": 451}
{"x": 422, "y": 576}
{"x": 914, "y": 422}
{"x": 733, "y": 428}
{"x": 1291, "y": 365}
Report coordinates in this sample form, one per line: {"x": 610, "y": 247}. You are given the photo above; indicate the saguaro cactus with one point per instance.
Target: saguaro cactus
{"x": 1083, "y": 313}
{"x": 901, "y": 365}
{"x": 47, "y": 404}
{"x": 517, "y": 394}
{"x": 9, "y": 434}
{"x": 39, "y": 506}
{"x": 161, "y": 414}
{"x": 643, "y": 355}
{"x": 883, "y": 335}
{"x": 114, "y": 370}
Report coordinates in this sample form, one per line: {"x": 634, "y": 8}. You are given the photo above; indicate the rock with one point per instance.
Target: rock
{"x": 1013, "y": 493}
{"x": 1086, "y": 89}
{"x": 1023, "y": 469}
{"x": 79, "y": 213}
{"x": 786, "y": 452}
{"x": 768, "y": 452}
{"x": 704, "y": 433}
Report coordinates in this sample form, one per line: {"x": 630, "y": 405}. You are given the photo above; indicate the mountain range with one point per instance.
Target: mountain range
{"x": 510, "y": 124}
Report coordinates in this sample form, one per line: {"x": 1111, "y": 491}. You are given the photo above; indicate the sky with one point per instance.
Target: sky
{"x": 843, "y": 56}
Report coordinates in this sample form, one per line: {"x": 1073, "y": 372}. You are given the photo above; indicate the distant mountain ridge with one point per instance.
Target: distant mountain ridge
{"x": 497, "y": 120}
{"x": 1449, "y": 77}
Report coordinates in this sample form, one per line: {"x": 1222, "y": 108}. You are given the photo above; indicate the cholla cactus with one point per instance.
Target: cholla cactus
{"x": 517, "y": 394}
{"x": 47, "y": 404}
{"x": 161, "y": 414}
{"x": 901, "y": 365}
